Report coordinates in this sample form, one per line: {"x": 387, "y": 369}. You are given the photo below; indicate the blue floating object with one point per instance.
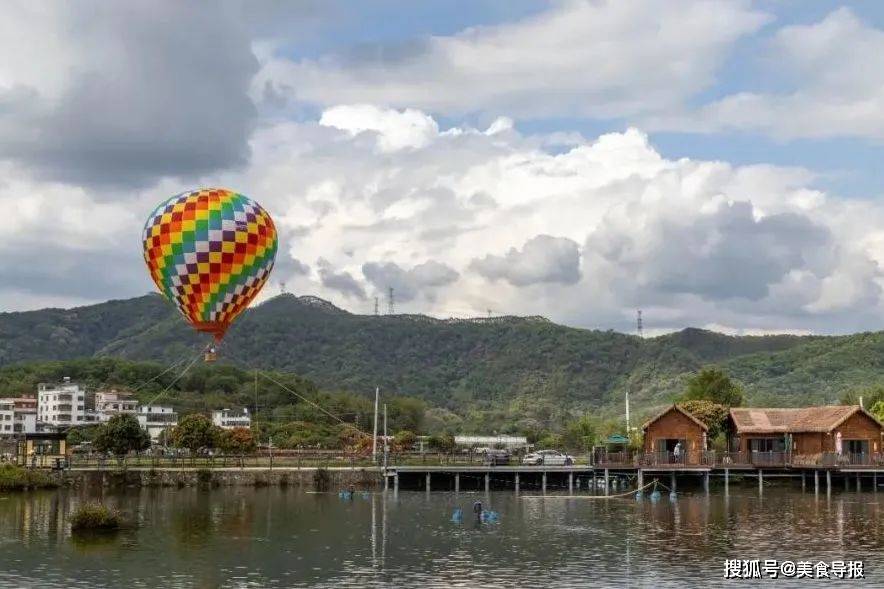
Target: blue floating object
{"x": 655, "y": 496}
{"x": 673, "y": 496}
{"x": 490, "y": 516}
{"x": 457, "y": 516}
{"x": 639, "y": 495}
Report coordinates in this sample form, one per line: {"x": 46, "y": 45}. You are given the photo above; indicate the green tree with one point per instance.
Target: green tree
{"x": 712, "y": 384}
{"x": 442, "y": 443}
{"x": 121, "y": 435}
{"x": 878, "y": 410}
{"x": 404, "y": 440}
{"x": 78, "y": 435}
{"x": 550, "y": 441}
{"x": 238, "y": 440}
{"x": 870, "y": 395}
{"x": 712, "y": 414}
{"x": 580, "y": 434}
{"x": 194, "y": 432}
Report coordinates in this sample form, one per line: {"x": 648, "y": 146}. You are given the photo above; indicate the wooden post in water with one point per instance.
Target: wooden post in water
{"x": 607, "y": 480}
{"x": 828, "y": 482}
{"x": 594, "y": 484}
{"x": 672, "y": 481}
{"x": 571, "y": 483}
{"x": 726, "y": 480}
{"x": 487, "y": 482}
{"x": 816, "y": 482}
{"x": 428, "y": 482}
{"x": 543, "y": 482}
{"x": 706, "y": 482}
{"x": 858, "y": 484}
{"x": 760, "y": 480}
{"x": 875, "y": 481}
{"x": 396, "y": 483}
{"x": 803, "y": 482}
{"x": 641, "y": 480}
{"x": 457, "y": 482}
{"x": 386, "y": 481}
{"x": 517, "y": 482}
{"x": 846, "y": 482}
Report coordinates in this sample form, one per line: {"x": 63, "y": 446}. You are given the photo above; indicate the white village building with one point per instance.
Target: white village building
{"x": 155, "y": 419}
{"x": 229, "y": 419}
{"x": 63, "y": 404}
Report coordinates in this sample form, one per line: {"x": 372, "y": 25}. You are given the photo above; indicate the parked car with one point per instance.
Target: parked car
{"x": 548, "y": 458}
{"x": 497, "y": 457}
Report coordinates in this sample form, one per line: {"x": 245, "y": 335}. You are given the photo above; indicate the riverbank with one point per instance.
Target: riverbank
{"x": 316, "y": 479}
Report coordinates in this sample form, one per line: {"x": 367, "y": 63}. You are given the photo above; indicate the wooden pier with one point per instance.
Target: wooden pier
{"x": 603, "y": 479}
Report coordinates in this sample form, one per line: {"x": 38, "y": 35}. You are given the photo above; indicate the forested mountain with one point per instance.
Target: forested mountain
{"x": 501, "y": 367}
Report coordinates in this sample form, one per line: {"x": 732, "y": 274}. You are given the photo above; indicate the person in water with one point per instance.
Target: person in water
{"x": 477, "y": 510}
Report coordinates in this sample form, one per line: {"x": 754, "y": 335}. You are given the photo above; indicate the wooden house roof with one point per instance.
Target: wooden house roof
{"x": 680, "y": 410}
{"x": 752, "y": 420}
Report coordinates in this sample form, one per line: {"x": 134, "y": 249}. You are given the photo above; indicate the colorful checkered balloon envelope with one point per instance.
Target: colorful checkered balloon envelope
{"x": 210, "y": 251}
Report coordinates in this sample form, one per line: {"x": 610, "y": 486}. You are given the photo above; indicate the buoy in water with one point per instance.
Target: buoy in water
{"x": 655, "y": 496}
{"x": 639, "y": 495}
{"x": 672, "y": 496}
{"x": 457, "y": 516}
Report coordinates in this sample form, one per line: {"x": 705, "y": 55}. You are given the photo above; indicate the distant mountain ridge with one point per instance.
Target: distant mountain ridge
{"x": 456, "y": 363}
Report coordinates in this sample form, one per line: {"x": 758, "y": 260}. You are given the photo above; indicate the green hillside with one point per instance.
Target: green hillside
{"x": 488, "y": 370}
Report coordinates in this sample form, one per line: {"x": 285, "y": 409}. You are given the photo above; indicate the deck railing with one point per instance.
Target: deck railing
{"x": 626, "y": 458}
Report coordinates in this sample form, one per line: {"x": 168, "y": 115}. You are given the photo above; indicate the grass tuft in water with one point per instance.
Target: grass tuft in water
{"x": 94, "y": 517}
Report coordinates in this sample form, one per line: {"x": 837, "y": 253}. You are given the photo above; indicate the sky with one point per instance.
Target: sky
{"x": 713, "y": 163}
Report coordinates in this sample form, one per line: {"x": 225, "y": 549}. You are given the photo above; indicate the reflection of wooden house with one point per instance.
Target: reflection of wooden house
{"x": 42, "y": 450}
{"x": 806, "y": 431}
{"x": 673, "y": 426}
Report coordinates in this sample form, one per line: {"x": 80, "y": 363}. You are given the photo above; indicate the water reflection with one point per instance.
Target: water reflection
{"x": 286, "y": 538}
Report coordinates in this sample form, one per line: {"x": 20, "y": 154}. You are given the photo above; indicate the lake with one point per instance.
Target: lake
{"x": 278, "y": 537}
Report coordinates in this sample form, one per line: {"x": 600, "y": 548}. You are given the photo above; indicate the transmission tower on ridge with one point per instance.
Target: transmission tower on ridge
{"x": 390, "y": 301}
{"x": 376, "y": 306}
{"x": 282, "y": 286}
{"x": 638, "y": 324}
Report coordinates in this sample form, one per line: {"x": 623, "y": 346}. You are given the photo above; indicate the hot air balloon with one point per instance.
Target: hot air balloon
{"x": 210, "y": 251}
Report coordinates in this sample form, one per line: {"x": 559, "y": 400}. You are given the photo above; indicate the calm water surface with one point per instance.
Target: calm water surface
{"x": 274, "y": 537}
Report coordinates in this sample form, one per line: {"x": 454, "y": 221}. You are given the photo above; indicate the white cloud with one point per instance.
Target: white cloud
{"x": 577, "y": 58}
{"x": 835, "y": 87}
{"x": 583, "y": 236}
{"x": 692, "y": 242}
{"x": 543, "y": 259}
{"x": 395, "y": 130}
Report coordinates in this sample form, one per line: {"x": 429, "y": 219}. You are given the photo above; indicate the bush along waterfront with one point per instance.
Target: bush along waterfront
{"x": 93, "y": 517}
{"x": 16, "y": 478}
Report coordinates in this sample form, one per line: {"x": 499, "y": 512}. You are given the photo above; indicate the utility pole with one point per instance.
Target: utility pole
{"x": 374, "y": 439}
{"x": 390, "y": 307}
{"x": 627, "y": 414}
{"x": 376, "y": 306}
{"x": 386, "y": 448}
{"x": 638, "y": 324}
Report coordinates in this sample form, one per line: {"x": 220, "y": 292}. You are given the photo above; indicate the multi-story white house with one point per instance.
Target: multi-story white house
{"x": 62, "y": 404}
{"x": 7, "y": 417}
{"x": 229, "y": 419}
{"x": 155, "y": 418}
{"x": 110, "y": 403}
{"x": 24, "y": 420}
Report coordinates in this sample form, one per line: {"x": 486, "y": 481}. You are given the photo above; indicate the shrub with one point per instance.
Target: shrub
{"x": 94, "y": 517}
{"x": 16, "y": 478}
